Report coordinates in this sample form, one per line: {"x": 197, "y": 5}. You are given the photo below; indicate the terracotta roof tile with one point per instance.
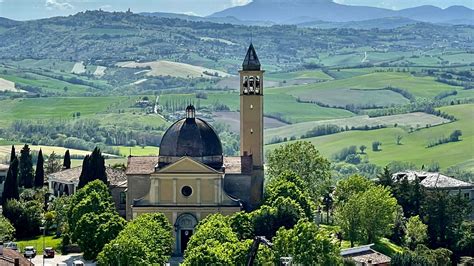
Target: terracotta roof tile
{"x": 141, "y": 165}
{"x": 115, "y": 176}
{"x": 232, "y": 165}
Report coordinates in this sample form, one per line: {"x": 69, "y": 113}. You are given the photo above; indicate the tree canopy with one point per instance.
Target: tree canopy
{"x": 304, "y": 160}
{"x": 26, "y": 168}
{"x": 39, "y": 173}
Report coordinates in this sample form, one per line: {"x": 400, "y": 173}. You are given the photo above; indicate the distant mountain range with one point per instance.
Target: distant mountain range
{"x": 313, "y": 11}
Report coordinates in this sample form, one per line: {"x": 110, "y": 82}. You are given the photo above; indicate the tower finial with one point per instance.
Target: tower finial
{"x": 251, "y": 61}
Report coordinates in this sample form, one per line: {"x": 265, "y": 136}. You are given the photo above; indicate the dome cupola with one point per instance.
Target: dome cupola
{"x": 191, "y": 137}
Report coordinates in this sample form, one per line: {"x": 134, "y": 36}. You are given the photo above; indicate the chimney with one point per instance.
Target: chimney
{"x": 1, "y": 248}
{"x": 17, "y": 262}
{"x": 369, "y": 262}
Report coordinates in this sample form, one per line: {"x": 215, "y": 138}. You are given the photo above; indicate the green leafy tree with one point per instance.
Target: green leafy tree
{"x": 24, "y": 216}
{"x": 39, "y": 173}
{"x": 60, "y": 206}
{"x": 93, "y": 198}
{"x": 10, "y": 187}
{"x": 26, "y": 168}
{"x": 150, "y": 233}
{"x": 304, "y": 160}
{"x": 286, "y": 186}
{"x": 241, "y": 224}
{"x": 94, "y": 230}
{"x": 376, "y": 145}
{"x": 349, "y": 219}
{"x": 53, "y": 164}
{"x": 351, "y": 186}
{"x": 306, "y": 244}
{"x": 67, "y": 160}
{"x": 416, "y": 232}
{"x": 284, "y": 212}
{"x": 7, "y": 231}
{"x": 367, "y": 215}
{"x": 362, "y": 149}
{"x": 214, "y": 242}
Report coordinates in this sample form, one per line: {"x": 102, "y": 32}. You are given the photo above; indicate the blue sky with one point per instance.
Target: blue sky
{"x": 33, "y": 9}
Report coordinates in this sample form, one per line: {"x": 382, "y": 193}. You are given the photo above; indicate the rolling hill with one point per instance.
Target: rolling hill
{"x": 289, "y": 12}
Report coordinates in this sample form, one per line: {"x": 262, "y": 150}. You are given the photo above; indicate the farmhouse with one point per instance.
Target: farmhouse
{"x": 66, "y": 181}
{"x": 432, "y": 181}
{"x": 190, "y": 178}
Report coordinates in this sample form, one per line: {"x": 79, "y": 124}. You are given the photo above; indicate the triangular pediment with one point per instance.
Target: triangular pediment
{"x": 187, "y": 165}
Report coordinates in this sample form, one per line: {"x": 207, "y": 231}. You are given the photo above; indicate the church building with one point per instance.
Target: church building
{"x": 191, "y": 178}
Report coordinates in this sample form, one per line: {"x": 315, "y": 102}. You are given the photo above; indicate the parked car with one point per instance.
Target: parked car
{"x": 78, "y": 263}
{"x": 48, "y": 252}
{"x": 30, "y": 252}
{"x": 12, "y": 245}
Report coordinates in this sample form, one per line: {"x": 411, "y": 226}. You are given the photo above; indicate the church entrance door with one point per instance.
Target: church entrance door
{"x": 184, "y": 226}
{"x": 185, "y": 236}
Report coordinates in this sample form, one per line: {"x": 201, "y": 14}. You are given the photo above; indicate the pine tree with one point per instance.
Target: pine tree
{"x": 39, "y": 174}
{"x": 10, "y": 188}
{"x": 26, "y": 168}
{"x": 67, "y": 160}
{"x": 385, "y": 178}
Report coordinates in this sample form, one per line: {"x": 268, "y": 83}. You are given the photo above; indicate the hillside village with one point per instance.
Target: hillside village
{"x": 157, "y": 138}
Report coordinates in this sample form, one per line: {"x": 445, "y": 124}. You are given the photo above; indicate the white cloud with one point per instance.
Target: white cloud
{"x": 240, "y": 2}
{"x": 58, "y": 4}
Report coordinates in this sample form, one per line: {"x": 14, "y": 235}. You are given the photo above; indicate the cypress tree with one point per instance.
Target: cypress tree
{"x": 26, "y": 168}
{"x": 39, "y": 174}
{"x": 67, "y": 160}
{"x": 93, "y": 168}
{"x": 12, "y": 155}
{"x": 10, "y": 188}
{"x": 84, "y": 177}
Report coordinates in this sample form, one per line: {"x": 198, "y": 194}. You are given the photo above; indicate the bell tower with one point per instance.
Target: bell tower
{"x": 251, "y": 108}
{"x": 251, "y": 123}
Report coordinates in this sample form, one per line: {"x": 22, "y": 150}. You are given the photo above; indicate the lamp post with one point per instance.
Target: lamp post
{"x": 44, "y": 236}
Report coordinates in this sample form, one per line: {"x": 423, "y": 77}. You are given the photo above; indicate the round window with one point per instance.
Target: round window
{"x": 186, "y": 191}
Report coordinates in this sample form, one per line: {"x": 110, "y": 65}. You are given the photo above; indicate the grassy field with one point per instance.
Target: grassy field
{"x": 275, "y": 104}
{"x": 304, "y": 74}
{"x": 404, "y": 120}
{"x": 59, "y": 107}
{"x": 413, "y": 148}
{"x": 37, "y": 243}
{"x": 138, "y": 151}
{"x": 425, "y": 87}
{"x": 46, "y": 83}
{"x": 343, "y": 97}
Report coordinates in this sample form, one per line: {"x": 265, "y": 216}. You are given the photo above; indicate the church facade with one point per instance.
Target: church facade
{"x": 191, "y": 178}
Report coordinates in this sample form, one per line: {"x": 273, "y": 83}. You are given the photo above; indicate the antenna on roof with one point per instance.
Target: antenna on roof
{"x": 130, "y": 151}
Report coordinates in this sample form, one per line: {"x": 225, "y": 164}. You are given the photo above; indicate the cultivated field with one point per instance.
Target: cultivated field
{"x": 233, "y": 120}
{"x": 78, "y": 68}
{"x": 425, "y": 87}
{"x": 413, "y": 148}
{"x": 174, "y": 69}
{"x": 138, "y": 151}
{"x": 6, "y": 85}
{"x": 414, "y": 120}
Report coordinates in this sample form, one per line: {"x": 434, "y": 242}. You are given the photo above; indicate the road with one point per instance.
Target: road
{"x": 68, "y": 259}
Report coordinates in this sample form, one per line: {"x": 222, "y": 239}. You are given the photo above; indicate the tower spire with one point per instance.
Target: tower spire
{"x": 251, "y": 62}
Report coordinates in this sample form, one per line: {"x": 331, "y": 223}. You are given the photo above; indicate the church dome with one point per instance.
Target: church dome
{"x": 191, "y": 137}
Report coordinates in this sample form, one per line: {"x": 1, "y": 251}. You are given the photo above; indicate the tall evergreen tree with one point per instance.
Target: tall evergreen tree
{"x": 84, "y": 177}
{"x": 93, "y": 168}
{"x": 26, "y": 168}
{"x": 13, "y": 154}
{"x": 10, "y": 188}
{"x": 39, "y": 174}
{"x": 67, "y": 160}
